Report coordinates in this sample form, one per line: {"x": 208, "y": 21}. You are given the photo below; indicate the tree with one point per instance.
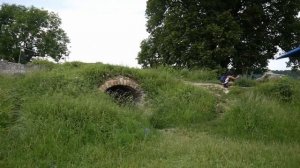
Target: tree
{"x": 242, "y": 34}
{"x": 30, "y": 32}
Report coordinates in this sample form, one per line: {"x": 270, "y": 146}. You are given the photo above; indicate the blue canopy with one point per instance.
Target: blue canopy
{"x": 294, "y": 52}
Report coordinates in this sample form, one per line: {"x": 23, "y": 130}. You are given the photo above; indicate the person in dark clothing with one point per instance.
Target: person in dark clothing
{"x": 226, "y": 79}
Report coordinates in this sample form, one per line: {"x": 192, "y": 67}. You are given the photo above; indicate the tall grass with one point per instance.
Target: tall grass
{"x": 59, "y": 118}
{"x": 182, "y": 106}
{"x": 54, "y": 128}
{"x": 269, "y": 112}
{"x": 245, "y": 82}
{"x": 196, "y": 75}
{"x": 6, "y": 108}
{"x": 284, "y": 90}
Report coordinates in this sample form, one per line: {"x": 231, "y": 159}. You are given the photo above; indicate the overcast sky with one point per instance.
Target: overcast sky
{"x": 108, "y": 31}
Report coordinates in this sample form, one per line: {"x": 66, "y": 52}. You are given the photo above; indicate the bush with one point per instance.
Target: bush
{"x": 282, "y": 90}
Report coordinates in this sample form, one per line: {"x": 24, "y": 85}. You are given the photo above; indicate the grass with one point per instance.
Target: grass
{"x": 257, "y": 117}
{"x": 58, "y": 118}
{"x": 185, "y": 148}
{"x": 167, "y": 115}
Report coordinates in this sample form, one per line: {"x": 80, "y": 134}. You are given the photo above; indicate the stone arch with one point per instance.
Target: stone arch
{"x": 123, "y": 88}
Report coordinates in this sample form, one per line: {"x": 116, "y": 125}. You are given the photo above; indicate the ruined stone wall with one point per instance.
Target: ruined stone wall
{"x": 14, "y": 68}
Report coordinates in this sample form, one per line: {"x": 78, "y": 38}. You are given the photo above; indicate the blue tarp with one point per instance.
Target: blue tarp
{"x": 292, "y": 53}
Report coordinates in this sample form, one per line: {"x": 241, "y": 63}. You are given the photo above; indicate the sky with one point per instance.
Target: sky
{"x": 107, "y": 31}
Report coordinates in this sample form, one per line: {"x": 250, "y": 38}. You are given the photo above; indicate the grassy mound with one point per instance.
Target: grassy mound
{"x": 58, "y": 118}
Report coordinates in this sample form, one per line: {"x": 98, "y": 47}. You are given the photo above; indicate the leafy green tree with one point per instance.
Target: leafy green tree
{"x": 30, "y": 32}
{"x": 241, "y": 34}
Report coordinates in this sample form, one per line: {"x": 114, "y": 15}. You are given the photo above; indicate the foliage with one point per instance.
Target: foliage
{"x": 28, "y": 32}
{"x": 294, "y": 62}
{"x": 215, "y": 33}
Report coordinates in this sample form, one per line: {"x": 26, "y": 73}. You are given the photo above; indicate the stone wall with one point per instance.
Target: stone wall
{"x": 14, "y": 68}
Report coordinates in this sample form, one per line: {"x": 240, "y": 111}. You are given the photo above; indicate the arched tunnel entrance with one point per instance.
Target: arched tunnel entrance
{"x": 123, "y": 94}
{"x": 123, "y": 90}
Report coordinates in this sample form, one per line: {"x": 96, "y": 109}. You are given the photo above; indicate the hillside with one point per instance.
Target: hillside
{"x": 58, "y": 117}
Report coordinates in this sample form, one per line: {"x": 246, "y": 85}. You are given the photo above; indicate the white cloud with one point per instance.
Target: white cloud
{"x": 105, "y": 31}
{"x": 278, "y": 64}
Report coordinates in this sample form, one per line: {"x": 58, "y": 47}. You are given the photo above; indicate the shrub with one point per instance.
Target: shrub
{"x": 282, "y": 90}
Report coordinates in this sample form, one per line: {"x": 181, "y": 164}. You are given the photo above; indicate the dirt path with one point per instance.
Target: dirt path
{"x": 210, "y": 86}
{"x": 217, "y": 90}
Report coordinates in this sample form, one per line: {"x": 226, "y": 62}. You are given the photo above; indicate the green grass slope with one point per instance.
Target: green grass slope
{"x": 59, "y": 118}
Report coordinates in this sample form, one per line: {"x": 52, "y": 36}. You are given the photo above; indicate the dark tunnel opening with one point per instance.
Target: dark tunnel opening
{"x": 124, "y": 94}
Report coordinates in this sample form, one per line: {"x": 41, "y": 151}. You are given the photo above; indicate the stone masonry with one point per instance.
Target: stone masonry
{"x": 14, "y": 68}
{"x": 123, "y": 81}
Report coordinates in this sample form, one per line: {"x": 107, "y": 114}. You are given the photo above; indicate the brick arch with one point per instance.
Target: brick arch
{"x": 122, "y": 82}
